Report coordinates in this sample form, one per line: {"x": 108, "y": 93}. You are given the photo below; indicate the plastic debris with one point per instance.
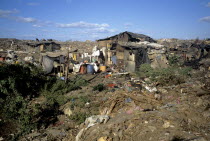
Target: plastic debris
{"x": 128, "y": 100}
{"x": 151, "y": 89}
{"x": 91, "y": 121}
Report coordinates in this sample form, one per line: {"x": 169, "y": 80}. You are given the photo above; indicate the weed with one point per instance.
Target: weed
{"x": 99, "y": 87}
{"x": 173, "y": 60}
{"x": 79, "y": 101}
{"x": 165, "y": 76}
{"x": 79, "y": 117}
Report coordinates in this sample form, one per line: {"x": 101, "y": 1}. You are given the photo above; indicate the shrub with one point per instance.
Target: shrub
{"x": 20, "y": 83}
{"x": 20, "y": 80}
{"x": 99, "y": 87}
{"x": 79, "y": 117}
{"x": 165, "y": 76}
{"x": 173, "y": 60}
{"x": 79, "y": 101}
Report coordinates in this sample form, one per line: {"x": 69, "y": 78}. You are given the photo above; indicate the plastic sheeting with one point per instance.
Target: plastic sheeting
{"x": 76, "y": 67}
{"x": 47, "y": 64}
{"x": 96, "y": 53}
{"x": 114, "y": 59}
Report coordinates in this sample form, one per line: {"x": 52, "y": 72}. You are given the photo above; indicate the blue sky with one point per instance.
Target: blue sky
{"x": 95, "y": 19}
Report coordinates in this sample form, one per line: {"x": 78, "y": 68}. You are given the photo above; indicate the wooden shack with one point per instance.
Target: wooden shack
{"x": 129, "y": 50}
{"x": 43, "y": 46}
{"x": 3, "y": 55}
{"x": 134, "y": 57}
{"x": 123, "y": 37}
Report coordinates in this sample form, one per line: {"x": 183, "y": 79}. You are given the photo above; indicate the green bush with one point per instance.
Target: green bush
{"x": 55, "y": 92}
{"x": 18, "y": 85}
{"x": 99, "y": 87}
{"x": 164, "y": 76}
{"x": 79, "y": 117}
{"x": 20, "y": 80}
{"x": 173, "y": 60}
{"x": 79, "y": 101}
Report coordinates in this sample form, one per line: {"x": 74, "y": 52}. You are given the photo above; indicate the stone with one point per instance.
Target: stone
{"x": 166, "y": 124}
{"x": 164, "y": 91}
{"x": 67, "y": 111}
{"x": 152, "y": 128}
{"x": 104, "y": 139}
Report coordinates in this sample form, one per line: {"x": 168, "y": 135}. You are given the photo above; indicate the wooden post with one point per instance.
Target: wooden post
{"x": 67, "y": 67}
{"x": 60, "y": 63}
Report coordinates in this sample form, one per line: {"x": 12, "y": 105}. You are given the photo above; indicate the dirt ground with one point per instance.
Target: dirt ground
{"x": 173, "y": 113}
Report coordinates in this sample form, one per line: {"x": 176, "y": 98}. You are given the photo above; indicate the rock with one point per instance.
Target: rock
{"x": 102, "y": 139}
{"x": 199, "y": 103}
{"x": 158, "y": 97}
{"x": 206, "y": 114}
{"x": 166, "y": 124}
{"x": 67, "y": 111}
{"x": 56, "y": 132}
{"x": 131, "y": 125}
{"x": 34, "y": 135}
{"x": 198, "y": 139}
{"x": 164, "y": 91}
{"x": 152, "y": 128}
{"x": 184, "y": 90}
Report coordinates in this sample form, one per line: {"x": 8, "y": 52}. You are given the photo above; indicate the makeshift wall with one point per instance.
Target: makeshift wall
{"x": 134, "y": 57}
{"x": 120, "y": 55}
{"x": 158, "y": 58}
{"x": 42, "y": 48}
{"x": 141, "y": 57}
{"x": 104, "y": 43}
{"x": 130, "y": 66}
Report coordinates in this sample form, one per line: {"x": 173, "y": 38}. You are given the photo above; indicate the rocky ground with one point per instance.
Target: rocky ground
{"x": 135, "y": 113}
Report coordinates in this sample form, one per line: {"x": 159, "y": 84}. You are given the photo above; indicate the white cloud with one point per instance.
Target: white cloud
{"x": 25, "y": 20}
{"x": 36, "y": 25}
{"x": 45, "y": 30}
{"x": 82, "y": 24}
{"x": 205, "y": 19}
{"x": 33, "y": 4}
{"x": 208, "y": 5}
{"x": 103, "y": 30}
{"x": 127, "y": 25}
{"x": 6, "y": 13}
{"x": 40, "y": 23}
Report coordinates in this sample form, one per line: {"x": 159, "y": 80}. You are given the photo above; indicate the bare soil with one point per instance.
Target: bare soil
{"x": 179, "y": 113}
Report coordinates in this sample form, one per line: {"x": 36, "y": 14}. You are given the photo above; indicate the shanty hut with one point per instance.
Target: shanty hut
{"x": 129, "y": 50}
{"x": 134, "y": 57}
{"x": 50, "y": 60}
{"x": 43, "y": 46}
{"x": 123, "y": 37}
{"x": 129, "y": 56}
{"x": 3, "y": 55}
